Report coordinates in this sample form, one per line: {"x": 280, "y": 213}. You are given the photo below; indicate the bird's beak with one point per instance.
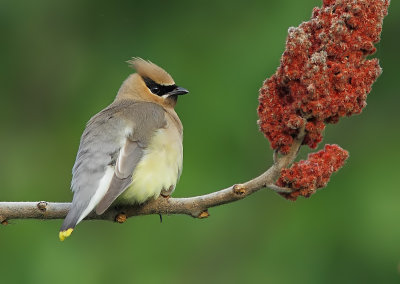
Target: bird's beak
{"x": 178, "y": 91}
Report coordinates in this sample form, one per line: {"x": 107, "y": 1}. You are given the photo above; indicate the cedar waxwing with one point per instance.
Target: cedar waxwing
{"x": 132, "y": 150}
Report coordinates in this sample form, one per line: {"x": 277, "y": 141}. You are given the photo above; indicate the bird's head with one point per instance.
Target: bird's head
{"x": 150, "y": 83}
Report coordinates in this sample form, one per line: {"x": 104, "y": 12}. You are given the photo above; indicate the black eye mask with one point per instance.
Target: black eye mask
{"x": 158, "y": 89}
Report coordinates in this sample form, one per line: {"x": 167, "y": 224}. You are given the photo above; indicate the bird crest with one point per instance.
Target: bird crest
{"x": 147, "y": 69}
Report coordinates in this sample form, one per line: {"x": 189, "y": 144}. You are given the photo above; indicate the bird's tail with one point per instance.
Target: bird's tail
{"x": 83, "y": 202}
{"x": 68, "y": 225}
{"x": 65, "y": 234}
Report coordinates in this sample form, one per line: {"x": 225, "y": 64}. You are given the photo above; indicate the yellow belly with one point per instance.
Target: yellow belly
{"x": 158, "y": 170}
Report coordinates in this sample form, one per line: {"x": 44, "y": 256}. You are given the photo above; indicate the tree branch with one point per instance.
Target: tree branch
{"x": 196, "y": 207}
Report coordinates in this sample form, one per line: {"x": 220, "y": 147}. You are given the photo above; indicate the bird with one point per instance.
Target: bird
{"x": 131, "y": 151}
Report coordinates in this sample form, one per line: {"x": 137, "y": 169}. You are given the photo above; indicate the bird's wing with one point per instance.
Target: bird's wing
{"x": 129, "y": 156}
{"x": 149, "y": 118}
{"x": 111, "y": 146}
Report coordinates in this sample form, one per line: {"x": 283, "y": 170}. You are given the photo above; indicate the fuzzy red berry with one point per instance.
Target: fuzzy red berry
{"x": 324, "y": 74}
{"x": 305, "y": 177}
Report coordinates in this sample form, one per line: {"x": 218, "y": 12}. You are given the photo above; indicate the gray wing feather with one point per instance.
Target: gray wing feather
{"x": 100, "y": 147}
{"x": 96, "y": 150}
{"x": 128, "y": 158}
{"x": 129, "y": 155}
{"x": 150, "y": 117}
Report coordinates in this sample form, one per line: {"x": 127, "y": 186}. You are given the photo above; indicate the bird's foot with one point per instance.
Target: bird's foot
{"x": 165, "y": 196}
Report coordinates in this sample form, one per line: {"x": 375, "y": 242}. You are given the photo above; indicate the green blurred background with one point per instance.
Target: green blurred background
{"x": 63, "y": 61}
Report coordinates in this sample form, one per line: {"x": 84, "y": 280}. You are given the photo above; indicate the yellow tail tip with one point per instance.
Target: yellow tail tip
{"x": 65, "y": 234}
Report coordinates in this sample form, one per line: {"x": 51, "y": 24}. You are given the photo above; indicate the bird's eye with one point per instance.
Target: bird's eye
{"x": 155, "y": 90}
